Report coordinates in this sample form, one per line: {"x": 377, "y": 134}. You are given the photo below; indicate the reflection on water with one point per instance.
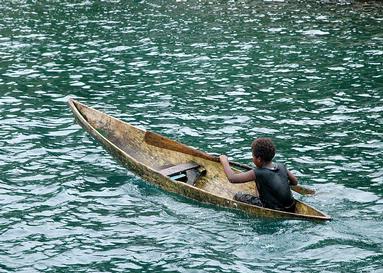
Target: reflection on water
{"x": 213, "y": 75}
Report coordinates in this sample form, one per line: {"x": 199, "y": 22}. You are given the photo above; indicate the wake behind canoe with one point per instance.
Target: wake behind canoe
{"x": 174, "y": 167}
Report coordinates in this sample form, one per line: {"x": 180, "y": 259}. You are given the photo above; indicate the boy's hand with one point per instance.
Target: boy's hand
{"x": 223, "y": 159}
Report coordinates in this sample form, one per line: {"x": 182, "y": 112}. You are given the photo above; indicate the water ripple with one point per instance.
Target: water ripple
{"x": 212, "y": 75}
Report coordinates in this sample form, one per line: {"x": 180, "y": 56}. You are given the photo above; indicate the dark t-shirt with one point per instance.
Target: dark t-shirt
{"x": 273, "y": 187}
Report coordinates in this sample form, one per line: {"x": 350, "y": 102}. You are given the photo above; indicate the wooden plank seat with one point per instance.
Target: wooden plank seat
{"x": 188, "y": 172}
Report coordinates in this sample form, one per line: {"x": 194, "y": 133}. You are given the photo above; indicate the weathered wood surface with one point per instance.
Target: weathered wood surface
{"x": 128, "y": 144}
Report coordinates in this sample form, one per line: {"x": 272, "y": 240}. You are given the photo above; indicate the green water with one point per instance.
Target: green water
{"x": 214, "y": 75}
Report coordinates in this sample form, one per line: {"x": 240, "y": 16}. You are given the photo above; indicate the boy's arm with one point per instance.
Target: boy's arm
{"x": 235, "y": 177}
{"x": 292, "y": 178}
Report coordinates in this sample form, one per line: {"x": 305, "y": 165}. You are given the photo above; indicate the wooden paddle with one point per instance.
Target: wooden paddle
{"x": 160, "y": 141}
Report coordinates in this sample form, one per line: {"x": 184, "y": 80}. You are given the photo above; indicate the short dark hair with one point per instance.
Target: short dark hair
{"x": 263, "y": 148}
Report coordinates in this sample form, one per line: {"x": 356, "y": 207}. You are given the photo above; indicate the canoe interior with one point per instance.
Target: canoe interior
{"x": 131, "y": 140}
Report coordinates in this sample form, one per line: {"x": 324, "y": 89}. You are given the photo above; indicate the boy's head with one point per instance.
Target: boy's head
{"x": 263, "y": 148}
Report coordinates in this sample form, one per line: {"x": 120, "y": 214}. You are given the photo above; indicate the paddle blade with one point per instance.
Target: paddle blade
{"x": 303, "y": 190}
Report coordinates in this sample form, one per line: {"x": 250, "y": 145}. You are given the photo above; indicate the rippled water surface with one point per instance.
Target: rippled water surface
{"x": 212, "y": 74}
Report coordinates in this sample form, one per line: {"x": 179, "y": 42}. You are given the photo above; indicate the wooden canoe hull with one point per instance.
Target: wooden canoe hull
{"x": 126, "y": 143}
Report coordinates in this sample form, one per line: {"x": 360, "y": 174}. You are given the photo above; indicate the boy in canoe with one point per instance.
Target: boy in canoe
{"x": 273, "y": 180}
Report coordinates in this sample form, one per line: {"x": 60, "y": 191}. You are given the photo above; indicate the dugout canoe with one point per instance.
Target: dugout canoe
{"x": 173, "y": 166}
